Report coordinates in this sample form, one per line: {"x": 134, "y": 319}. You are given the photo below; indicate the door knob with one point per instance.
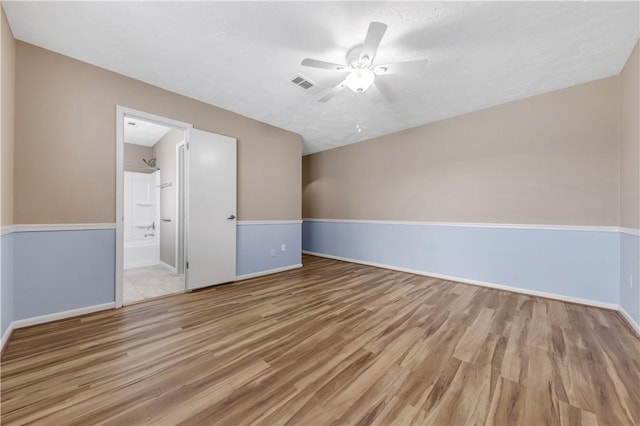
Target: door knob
{"x": 231, "y": 217}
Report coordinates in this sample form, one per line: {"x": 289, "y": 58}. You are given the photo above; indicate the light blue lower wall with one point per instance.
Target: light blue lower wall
{"x": 6, "y": 282}
{"x": 630, "y": 275}
{"x": 255, "y": 243}
{"x": 578, "y": 264}
{"x": 57, "y": 271}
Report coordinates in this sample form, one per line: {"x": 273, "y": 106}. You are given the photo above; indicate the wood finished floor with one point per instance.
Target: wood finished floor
{"x": 332, "y": 343}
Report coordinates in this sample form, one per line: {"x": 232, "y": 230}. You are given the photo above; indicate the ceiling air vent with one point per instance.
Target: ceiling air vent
{"x": 305, "y": 84}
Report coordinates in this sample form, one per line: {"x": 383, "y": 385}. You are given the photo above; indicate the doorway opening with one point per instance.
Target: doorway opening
{"x": 151, "y": 180}
{"x": 180, "y": 222}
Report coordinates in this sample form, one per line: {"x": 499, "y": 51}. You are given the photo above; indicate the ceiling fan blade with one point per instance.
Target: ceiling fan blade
{"x": 331, "y": 93}
{"x": 399, "y": 67}
{"x": 372, "y": 41}
{"x": 308, "y": 62}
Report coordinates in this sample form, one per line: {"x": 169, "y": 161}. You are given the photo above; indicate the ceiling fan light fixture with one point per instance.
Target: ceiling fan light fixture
{"x": 360, "y": 80}
{"x": 360, "y": 69}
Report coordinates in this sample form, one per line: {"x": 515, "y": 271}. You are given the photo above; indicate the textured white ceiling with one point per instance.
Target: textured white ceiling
{"x": 240, "y": 55}
{"x": 143, "y": 132}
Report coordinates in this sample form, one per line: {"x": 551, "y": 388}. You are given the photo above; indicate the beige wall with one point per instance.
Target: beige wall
{"x": 165, "y": 152}
{"x": 630, "y": 142}
{"x": 65, "y": 142}
{"x": 133, "y": 155}
{"x": 549, "y": 159}
{"x": 7, "y": 99}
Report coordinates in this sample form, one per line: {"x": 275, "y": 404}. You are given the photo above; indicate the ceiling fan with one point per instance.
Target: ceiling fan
{"x": 361, "y": 71}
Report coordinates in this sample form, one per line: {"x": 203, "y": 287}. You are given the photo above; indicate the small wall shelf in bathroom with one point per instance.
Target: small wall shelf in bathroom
{"x": 144, "y": 225}
{"x": 143, "y": 203}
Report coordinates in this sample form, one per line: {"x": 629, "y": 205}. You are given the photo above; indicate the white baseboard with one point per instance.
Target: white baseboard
{"x": 52, "y": 317}
{"x": 167, "y": 266}
{"x": 561, "y": 297}
{"x": 62, "y": 315}
{"x": 634, "y": 325}
{"x": 6, "y": 335}
{"x": 268, "y": 272}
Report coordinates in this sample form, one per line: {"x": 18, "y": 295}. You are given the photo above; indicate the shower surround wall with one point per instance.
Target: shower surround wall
{"x": 141, "y": 217}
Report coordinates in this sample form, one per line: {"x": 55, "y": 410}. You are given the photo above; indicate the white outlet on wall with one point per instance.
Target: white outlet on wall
{"x": 273, "y": 252}
{"x": 283, "y": 247}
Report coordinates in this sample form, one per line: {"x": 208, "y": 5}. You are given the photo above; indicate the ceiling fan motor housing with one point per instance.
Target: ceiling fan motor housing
{"x": 360, "y": 79}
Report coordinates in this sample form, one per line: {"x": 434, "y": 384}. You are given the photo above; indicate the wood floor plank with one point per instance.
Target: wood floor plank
{"x": 515, "y": 360}
{"x": 474, "y": 336}
{"x": 330, "y": 343}
{"x": 539, "y": 334}
{"x": 507, "y": 404}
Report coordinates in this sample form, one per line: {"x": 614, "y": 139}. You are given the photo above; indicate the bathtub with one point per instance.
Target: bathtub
{"x": 140, "y": 253}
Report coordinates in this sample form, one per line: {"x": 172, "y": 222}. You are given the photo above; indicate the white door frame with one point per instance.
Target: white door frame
{"x": 121, "y": 113}
{"x": 180, "y": 207}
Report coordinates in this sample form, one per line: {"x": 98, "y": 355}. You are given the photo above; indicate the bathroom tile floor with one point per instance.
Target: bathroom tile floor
{"x": 150, "y": 281}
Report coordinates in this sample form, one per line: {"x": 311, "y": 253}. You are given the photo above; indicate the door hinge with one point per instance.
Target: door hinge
{"x": 187, "y": 145}
{"x": 187, "y": 264}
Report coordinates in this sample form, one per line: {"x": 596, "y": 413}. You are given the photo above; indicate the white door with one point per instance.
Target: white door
{"x": 210, "y": 209}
